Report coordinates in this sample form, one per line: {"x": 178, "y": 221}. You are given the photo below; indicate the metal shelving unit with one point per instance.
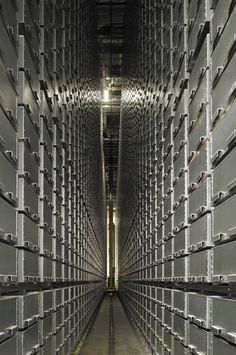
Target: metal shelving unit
{"x": 52, "y": 191}
{"x": 175, "y": 196}
{"x": 176, "y": 179}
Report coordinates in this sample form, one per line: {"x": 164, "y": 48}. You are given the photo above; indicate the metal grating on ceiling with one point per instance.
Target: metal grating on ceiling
{"x": 111, "y": 40}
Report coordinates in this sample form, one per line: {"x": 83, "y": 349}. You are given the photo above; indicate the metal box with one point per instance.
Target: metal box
{"x": 199, "y": 309}
{"x": 180, "y": 78}
{"x": 201, "y": 66}
{"x": 28, "y": 266}
{"x": 199, "y": 165}
{"x": 168, "y": 299}
{"x": 200, "y": 266}
{"x": 180, "y": 135}
{"x": 180, "y": 162}
{"x": 57, "y": 160}
{"x": 57, "y": 299}
{"x": 58, "y": 320}
{"x": 28, "y": 199}
{"x": 8, "y": 264}
{"x": 167, "y": 341}
{"x": 45, "y": 242}
{"x": 168, "y": 163}
{"x": 8, "y": 165}
{"x": 224, "y": 220}
{"x": 225, "y": 84}
{"x": 168, "y": 271}
{"x": 199, "y": 340}
{"x": 28, "y": 340}
{"x": 27, "y": 231}
{"x": 199, "y": 98}
{"x": 222, "y": 347}
{"x": 27, "y": 96}
{"x": 168, "y": 202}
{"x": 46, "y": 138}
{"x": 198, "y": 27}
{"x": 177, "y": 34}
{"x": 181, "y": 329}
{"x": 224, "y": 269}
{"x": 57, "y": 204}
{"x": 180, "y": 188}
{"x": 168, "y": 320}
{"x": 180, "y": 217}
{"x": 159, "y": 330}
{"x": 46, "y": 162}
{"x": 180, "y": 242}
{"x": 9, "y": 83}
{"x": 181, "y": 110}
{"x": 46, "y": 216}
{"x": 168, "y": 250}
{"x": 57, "y": 249}
{"x": 29, "y": 62}
{"x": 200, "y": 233}
{"x": 168, "y": 181}
{"x": 179, "y": 349}
{"x": 223, "y": 133}
{"x": 221, "y": 14}
{"x": 224, "y": 177}
{"x": 28, "y": 164}
{"x": 8, "y": 320}
{"x": 8, "y": 132}
{"x": 192, "y": 11}
{"x": 7, "y": 221}
{"x": 46, "y": 189}
{"x": 224, "y": 47}
{"x": 48, "y": 347}
{"x": 180, "y": 302}
{"x": 46, "y": 328}
{"x": 29, "y": 25}
{"x": 8, "y": 25}
{"x": 46, "y": 303}
{"x": 159, "y": 295}
{"x": 199, "y": 200}
{"x": 198, "y": 131}
{"x": 179, "y": 47}
{"x": 9, "y": 346}
{"x": 47, "y": 110}
{"x": 180, "y": 269}
{"x": 57, "y": 271}
{"x": 223, "y": 325}
{"x": 46, "y": 269}
{"x": 179, "y": 8}
{"x": 28, "y": 127}
{"x": 28, "y": 309}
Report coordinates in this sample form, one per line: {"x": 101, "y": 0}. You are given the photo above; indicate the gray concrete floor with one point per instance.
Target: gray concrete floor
{"x": 126, "y": 341}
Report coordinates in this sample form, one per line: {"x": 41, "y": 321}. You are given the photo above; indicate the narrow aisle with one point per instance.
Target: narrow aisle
{"x": 101, "y": 340}
{"x": 97, "y": 340}
{"x": 126, "y": 341}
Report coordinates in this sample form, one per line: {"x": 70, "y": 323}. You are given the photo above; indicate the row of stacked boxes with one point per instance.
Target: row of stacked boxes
{"x": 46, "y": 322}
{"x": 51, "y": 228}
{"x": 177, "y": 220}
{"x": 178, "y": 322}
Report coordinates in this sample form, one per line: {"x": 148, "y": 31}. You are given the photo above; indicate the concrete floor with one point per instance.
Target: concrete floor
{"x": 126, "y": 341}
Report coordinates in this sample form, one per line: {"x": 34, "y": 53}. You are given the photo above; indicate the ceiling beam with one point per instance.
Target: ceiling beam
{"x": 109, "y": 3}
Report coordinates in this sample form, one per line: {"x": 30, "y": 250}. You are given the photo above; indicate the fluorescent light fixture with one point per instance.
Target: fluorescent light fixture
{"x": 106, "y": 95}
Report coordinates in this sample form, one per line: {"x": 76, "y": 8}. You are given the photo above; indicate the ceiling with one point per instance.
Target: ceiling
{"x": 111, "y": 40}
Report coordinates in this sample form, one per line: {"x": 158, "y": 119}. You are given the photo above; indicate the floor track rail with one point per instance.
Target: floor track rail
{"x": 111, "y": 329}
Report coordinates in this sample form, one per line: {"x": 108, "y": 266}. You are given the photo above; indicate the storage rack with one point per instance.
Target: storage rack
{"x": 176, "y": 185}
{"x": 52, "y": 198}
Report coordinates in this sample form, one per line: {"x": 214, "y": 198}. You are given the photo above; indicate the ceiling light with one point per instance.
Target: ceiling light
{"x": 106, "y": 95}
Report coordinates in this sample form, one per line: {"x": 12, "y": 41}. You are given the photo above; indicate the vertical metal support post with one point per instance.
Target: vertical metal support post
{"x": 111, "y": 241}
{"x": 111, "y": 278}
